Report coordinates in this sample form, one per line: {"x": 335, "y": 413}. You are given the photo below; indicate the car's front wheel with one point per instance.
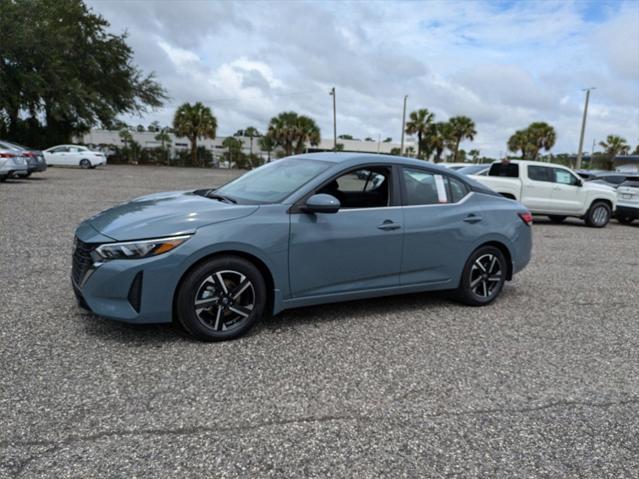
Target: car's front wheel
{"x": 221, "y": 299}
{"x": 85, "y": 164}
{"x": 483, "y": 276}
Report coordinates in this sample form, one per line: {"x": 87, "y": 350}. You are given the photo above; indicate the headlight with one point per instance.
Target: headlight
{"x": 137, "y": 249}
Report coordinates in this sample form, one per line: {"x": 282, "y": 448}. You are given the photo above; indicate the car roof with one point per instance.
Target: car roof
{"x": 347, "y": 158}
{"x": 533, "y": 163}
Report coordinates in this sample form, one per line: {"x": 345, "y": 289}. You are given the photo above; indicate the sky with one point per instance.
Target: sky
{"x": 505, "y": 64}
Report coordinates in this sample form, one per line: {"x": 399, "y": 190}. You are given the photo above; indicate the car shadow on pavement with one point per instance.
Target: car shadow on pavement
{"x": 133, "y": 334}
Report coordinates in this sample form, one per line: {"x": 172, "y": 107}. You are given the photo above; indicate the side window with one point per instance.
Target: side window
{"x": 540, "y": 173}
{"x": 364, "y": 188}
{"x": 457, "y": 189}
{"x": 564, "y": 177}
{"x": 424, "y": 188}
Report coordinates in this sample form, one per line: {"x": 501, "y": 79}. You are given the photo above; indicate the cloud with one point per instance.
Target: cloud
{"x": 504, "y": 64}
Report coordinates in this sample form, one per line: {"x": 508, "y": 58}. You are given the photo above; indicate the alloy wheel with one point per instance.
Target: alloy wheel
{"x": 485, "y": 275}
{"x": 600, "y": 215}
{"x": 224, "y": 300}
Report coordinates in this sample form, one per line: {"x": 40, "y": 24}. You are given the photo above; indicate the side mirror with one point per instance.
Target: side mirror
{"x": 321, "y": 203}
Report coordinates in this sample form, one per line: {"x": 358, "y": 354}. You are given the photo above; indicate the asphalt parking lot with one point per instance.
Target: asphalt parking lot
{"x": 543, "y": 383}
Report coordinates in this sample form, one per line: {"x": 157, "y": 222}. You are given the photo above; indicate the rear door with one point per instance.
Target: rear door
{"x": 440, "y": 221}
{"x": 538, "y": 190}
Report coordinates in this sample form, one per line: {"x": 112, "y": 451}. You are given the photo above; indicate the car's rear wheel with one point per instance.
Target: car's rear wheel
{"x": 598, "y": 215}
{"x": 483, "y": 276}
{"x": 85, "y": 164}
{"x": 556, "y": 219}
{"x": 221, "y": 299}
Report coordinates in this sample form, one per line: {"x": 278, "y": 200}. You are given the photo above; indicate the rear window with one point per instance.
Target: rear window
{"x": 509, "y": 170}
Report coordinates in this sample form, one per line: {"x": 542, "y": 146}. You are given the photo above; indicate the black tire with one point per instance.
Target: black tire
{"x": 625, "y": 220}
{"x": 85, "y": 164}
{"x": 223, "y": 315}
{"x": 474, "y": 279}
{"x": 598, "y": 215}
{"x": 556, "y": 218}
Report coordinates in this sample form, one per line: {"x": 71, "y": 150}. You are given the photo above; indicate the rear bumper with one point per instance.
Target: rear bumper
{"x": 627, "y": 211}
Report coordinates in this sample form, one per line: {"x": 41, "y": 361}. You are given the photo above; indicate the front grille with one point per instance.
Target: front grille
{"x": 81, "y": 261}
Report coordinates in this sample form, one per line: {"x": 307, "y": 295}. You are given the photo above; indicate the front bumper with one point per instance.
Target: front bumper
{"x": 134, "y": 291}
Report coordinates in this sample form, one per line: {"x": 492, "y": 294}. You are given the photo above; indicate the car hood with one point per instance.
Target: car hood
{"x": 595, "y": 186}
{"x": 164, "y": 214}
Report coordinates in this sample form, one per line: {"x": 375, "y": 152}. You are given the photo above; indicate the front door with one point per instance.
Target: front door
{"x": 567, "y": 193}
{"x": 358, "y": 248}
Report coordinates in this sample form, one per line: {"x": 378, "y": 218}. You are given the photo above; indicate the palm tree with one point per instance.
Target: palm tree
{"x": 540, "y": 136}
{"x": 251, "y": 132}
{"x": 163, "y": 137}
{"x": 419, "y": 123}
{"x": 307, "y": 131}
{"x": 519, "y": 141}
{"x": 613, "y": 146}
{"x": 291, "y": 131}
{"x": 474, "y": 154}
{"x": 267, "y": 143}
{"x": 439, "y": 135}
{"x": 461, "y": 128}
{"x": 234, "y": 149}
{"x": 194, "y": 121}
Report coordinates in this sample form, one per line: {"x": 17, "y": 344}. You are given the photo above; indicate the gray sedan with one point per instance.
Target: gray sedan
{"x": 304, "y": 230}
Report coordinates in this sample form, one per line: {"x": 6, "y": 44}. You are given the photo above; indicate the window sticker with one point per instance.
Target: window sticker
{"x": 441, "y": 189}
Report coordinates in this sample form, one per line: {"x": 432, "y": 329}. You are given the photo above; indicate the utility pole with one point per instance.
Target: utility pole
{"x": 401, "y": 148}
{"x": 583, "y": 127}
{"x": 332, "y": 93}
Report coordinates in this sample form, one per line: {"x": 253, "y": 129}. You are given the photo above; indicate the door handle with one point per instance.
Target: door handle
{"x": 472, "y": 218}
{"x": 389, "y": 225}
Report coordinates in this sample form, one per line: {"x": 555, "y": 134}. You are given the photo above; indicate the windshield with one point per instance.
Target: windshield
{"x": 273, "y": 182}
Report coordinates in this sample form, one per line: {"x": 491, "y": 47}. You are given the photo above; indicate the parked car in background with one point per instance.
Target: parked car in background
{"x": 35, "y": 158}
{"x": 303, "y": 230}
{"x": 552, "y": 190}
{"x": 74, "y": 155}
{"x": 608, "y": 178}
{"x": 481, "y": 170}
{"x": 454, "y": 166}
{"x": 12, "y": 163}
{"x": 628, "y": 200}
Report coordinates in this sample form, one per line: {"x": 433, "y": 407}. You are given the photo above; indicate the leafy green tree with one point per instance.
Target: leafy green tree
{"x": 234, "y": 152}
{"x": 474, "y": 155}
{"x": 154, "y": 127}
{"x": 131, "y": 147}
{"x": 461, "y": 128}
{"x": 165, "y": 141}
{"x": 419, "y": 123}
{"x": 410, "y": 151}
{"x": 339, "y": 147}
{"x": 345, "y": 137}
{"x": 613, "y": 146}
{"x": 291, "y": 131}
{"x": 388, "y": 139}
{"x": 62, "y": 72}
{"x": 194, "y": 122}
{"x": 368, "y": 138}
{"x": 439, "y": 136}
{"x": 395, "y": 151}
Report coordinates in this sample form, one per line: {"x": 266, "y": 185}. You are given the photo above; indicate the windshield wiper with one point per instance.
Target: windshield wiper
{"x": 216, "y": 196}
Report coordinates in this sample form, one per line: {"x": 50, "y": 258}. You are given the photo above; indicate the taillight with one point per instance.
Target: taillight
{"x": 7, "y": 155}
{"x": 526, "y": 217}
{"x": 30, "y": 154}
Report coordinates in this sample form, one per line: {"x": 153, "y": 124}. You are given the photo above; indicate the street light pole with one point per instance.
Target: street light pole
{"x": 401, "y": 148}
{"x": 332, "y": 93}
{"x": 583, "y": 127}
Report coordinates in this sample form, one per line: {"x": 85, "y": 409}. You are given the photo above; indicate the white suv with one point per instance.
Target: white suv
{"x": 628, "y": 200}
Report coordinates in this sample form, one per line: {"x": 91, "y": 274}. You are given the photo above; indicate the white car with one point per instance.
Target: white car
{"x": 74, "y": 155}
{"x": 552, "y": 190}
{"x": 628, "y": 200}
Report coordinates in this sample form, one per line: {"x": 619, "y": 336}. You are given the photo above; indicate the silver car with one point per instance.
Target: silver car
{"x": 35, "y": 158}
{"x": 11, "y": 163}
